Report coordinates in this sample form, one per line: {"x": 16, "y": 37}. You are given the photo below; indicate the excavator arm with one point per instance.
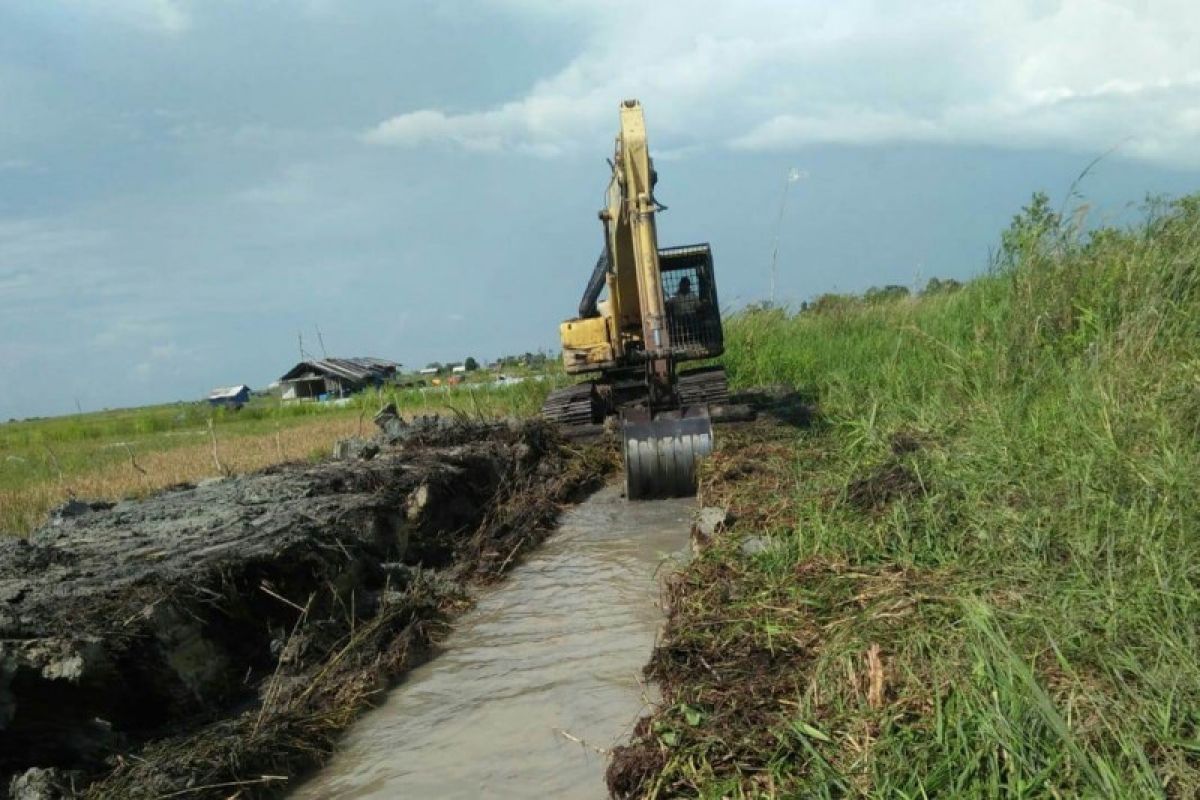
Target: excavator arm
{"x": 636, "y": 236}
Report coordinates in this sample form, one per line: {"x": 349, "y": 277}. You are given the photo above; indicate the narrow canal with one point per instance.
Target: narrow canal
{"x": 536, "y": 681}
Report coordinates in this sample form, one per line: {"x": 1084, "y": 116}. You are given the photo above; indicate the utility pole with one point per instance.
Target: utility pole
{"x": 792, "y": 176}
{"x": 321, "y": 341}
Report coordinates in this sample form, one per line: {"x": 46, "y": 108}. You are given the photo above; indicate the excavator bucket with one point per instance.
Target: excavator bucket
{"x": 662, "y": 451}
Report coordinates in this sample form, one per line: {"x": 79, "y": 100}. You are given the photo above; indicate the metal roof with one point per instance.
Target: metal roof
{"x": 358, "y": 369}
{"x": 227, "y": 392}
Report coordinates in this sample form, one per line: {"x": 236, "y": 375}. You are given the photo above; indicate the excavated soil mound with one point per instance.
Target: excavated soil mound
{"x": 211, "y": 641}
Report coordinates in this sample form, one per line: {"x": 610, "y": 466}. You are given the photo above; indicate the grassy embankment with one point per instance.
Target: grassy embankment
{"x": 981, "y": 571}
{"x": 131, "y": 452}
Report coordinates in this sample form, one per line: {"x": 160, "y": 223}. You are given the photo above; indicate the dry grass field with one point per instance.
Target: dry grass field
{"x": 111, "y": 455}
{"x": 141, "y": 470}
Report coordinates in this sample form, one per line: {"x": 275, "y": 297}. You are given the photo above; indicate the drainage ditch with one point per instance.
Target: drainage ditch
{"x": 537, "y": 681}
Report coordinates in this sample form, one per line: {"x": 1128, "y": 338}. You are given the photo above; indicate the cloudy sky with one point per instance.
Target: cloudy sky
{"x": 187, "y": 187}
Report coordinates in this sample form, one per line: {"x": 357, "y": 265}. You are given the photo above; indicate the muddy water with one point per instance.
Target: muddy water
{"x": 552, "y": 656}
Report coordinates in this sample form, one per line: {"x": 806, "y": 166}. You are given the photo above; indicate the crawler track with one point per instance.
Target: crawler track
{"x": 703, "y": 386}
{"x": 584, "y": 403}
{"x": 573, "y": 406}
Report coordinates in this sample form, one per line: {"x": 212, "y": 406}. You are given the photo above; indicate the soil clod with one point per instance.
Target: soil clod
{"x": 879, "y": 488}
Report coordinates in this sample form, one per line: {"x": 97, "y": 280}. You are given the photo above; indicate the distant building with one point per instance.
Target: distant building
{"x": 459, "y": 368}
{"x": 329, "y": 378}
{"x": 429, "y": 371}
{"x": 230, "y": 396}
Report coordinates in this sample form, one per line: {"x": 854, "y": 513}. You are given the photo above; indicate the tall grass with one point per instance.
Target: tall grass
{"x": 476, "y": 400}
{"x": 1001, "y": 493}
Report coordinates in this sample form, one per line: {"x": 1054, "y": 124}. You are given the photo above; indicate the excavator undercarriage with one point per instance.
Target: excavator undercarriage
{"x": 661, "y": 447}
{"x": 591, "y": 402}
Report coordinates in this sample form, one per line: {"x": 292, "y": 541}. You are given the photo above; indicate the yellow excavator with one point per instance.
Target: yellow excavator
{"x": 659, "y": 309}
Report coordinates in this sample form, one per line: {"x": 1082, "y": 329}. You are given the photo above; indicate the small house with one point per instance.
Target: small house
{"x": 329, "y": 378}
{"x": 459, "y": 369}
{"x": 230, "y": 396}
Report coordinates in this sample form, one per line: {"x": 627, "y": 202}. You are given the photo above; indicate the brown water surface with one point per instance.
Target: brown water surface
{"x": 551, "y": 656}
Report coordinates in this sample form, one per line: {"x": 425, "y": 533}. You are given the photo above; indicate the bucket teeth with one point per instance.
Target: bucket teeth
{"x": 663, "y": 450}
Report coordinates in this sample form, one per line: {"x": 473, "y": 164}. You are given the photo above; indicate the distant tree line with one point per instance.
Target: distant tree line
{"x": 876, "y": 295}
{"x": 527, "y": 359}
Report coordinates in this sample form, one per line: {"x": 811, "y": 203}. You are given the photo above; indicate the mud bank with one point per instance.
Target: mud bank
{"x": 725, "y": 675}
{"x": 213, "y": 640}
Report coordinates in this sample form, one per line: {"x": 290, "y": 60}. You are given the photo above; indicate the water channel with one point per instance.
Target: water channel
{"x": 542, "y": 674}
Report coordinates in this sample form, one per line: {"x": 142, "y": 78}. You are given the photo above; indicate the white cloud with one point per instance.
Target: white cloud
{"x": 527, "y": 126}
{"x": 155, "y": 16}
{"x": 125, "y": 331}
{"x": 27, "y": 243}
{"x": 12, "y": 280}
{"x": 162, "y": 359}
{"x": 166, "y": 351}
{"x": 1076, "y": 74}
{"x": 295, "y": 186}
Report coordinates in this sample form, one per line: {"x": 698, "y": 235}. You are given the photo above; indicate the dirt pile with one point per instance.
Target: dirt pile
{"x": 215, "y": 638}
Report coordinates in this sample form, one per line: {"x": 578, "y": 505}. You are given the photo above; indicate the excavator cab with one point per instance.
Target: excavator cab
{"x": 690, "y": 292}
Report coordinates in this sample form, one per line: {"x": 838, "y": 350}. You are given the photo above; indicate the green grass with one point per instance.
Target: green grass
{"x": 1001, "y": 494}
{"x": 522, "y": 399}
